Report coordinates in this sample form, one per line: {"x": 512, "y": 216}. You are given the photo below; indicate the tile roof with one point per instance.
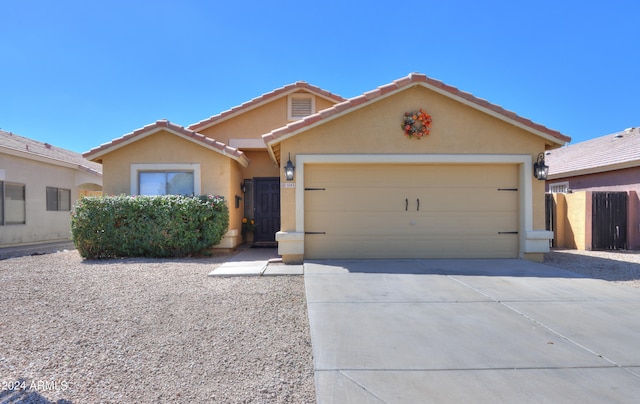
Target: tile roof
{"x": 12, "y": 142}
{"x": 611, "y": 152}
{"x": 411, "y": 80}
{"x": 164, "y": 124}
{"x": 270, "y": 96}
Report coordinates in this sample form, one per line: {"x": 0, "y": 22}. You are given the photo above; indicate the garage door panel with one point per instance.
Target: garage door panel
{"x": 401, "y": 200}
{"x": 398, "y": 224}
{"x": 356, "y": 199}
{"x": 317, "y": 246}
{"x": 372, "y": 211}
{"x": 404, "y": 175}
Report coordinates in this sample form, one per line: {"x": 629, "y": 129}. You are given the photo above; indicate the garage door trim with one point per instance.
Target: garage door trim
{"x": 530, "y": 240}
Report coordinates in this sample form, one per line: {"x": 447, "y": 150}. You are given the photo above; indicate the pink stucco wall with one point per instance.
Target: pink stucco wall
{"x": 627, "y": 180}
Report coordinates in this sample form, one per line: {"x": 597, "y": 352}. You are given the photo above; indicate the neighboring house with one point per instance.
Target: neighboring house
{"x": 39, "y": 184}
{"x": 361, "y": 188}
{"x": 581, "y": 173}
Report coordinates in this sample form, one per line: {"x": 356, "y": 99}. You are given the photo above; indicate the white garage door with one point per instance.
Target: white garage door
{"x": 411, "y": 211}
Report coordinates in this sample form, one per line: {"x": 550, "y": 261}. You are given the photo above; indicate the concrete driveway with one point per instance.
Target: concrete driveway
{"x": 481, "y": 331}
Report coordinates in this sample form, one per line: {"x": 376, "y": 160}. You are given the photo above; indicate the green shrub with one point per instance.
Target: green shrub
{"x": 147, "y": 226}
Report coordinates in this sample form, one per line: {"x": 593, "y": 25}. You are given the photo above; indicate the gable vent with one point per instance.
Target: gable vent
{"x": 300, "y": 106}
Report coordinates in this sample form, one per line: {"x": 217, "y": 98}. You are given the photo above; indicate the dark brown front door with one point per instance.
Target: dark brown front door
{"x": 267, "y": 208}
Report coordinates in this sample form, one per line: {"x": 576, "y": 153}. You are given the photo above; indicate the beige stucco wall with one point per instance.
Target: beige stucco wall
{"x": 41, "y": 225}
{"x": 260, "y": 165}
{"x": 220, "y": 175}
{"x": 573, "y": 226}
{"x": 376, "y": 129}
{"x": 165, "y": 147}
{"x": 256, "y": 122}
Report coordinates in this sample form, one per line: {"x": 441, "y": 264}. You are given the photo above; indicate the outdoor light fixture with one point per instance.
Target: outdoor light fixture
{"x": 289, "y": 169}
{"x": 540, "y": 169}
{"x": 243, "y": 187}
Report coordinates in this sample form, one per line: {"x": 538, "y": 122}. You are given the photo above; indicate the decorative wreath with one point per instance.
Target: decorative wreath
{"x": 417, "y": 123}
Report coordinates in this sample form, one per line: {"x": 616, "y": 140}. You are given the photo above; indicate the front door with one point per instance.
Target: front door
{"x": 267, "y": 209}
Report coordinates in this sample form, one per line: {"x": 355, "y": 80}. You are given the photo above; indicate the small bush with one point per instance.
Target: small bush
{"x": 147, "y": 226}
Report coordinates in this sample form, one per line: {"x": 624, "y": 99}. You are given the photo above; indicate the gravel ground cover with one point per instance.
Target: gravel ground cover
{"x": 143, "y": 330}
{"x": 616, "y": 266}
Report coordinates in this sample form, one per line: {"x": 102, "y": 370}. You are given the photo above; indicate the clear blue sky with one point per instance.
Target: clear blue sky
{"x": 77, "y": 74}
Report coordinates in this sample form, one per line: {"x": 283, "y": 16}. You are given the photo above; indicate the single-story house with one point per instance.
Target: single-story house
{"x": 412, "y": 169}
{"x": 39, "y": 184}
{"x": 582, "y": 174}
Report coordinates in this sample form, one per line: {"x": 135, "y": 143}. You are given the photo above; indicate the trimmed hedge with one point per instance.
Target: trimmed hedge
{"x": 147, "y": 226}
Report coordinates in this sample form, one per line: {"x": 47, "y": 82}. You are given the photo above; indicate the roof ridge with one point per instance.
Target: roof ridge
{"x": 263, "y": 98}
{"x": 409, "y": 80}
{"x": 165, "y": 123}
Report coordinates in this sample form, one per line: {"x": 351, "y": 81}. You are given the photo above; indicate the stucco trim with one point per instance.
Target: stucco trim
{"x": 247, "y": 143}
{"x": 138, "y": 167}
{"x": 525, "y": 181}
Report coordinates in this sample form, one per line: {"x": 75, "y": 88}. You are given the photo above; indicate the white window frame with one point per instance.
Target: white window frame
{"x": 3, "y": 204}
{"x": 293, "y": 96}
{"x": 559, "y": 185}
{"x": 59, "y": 199}
{"x": 190, "y": 167}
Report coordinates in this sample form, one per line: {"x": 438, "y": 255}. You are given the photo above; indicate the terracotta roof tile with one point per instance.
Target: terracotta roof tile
{"x": 17, "y": 143}
{"x": 410, "y": 80}
{"x": 298, "y": 85}
{"x": 163, "y": 123}
{"x": 373, "y": 94}
{"x": 613, "y": 151}
{"x": 358, "y": 100}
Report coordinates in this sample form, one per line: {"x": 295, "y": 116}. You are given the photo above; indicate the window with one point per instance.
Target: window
{"x": 166, "y": 183}
{"x": 559, "y": 187}
{"x": 58, "y": 199}
{"x": 301, "y": 105}
{"x": 165, "y": 179}
{"x": 12, "y": 203}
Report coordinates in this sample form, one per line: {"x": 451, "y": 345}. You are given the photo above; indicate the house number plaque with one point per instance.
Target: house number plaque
{"x": 288, "y": 185}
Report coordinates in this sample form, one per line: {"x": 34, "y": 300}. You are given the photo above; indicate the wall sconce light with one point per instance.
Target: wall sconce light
{"x": 540, "y": 169}
{"x": 243, "y": 187}
{"x": 289, "y": 169}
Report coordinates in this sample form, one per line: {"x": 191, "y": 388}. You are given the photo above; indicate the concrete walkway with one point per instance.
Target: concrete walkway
{"x": 256, "y": 262}
{"x": 461, "y": 331}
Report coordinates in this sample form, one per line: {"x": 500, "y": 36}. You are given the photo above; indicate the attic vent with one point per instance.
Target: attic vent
{"x": 300, "y": 105}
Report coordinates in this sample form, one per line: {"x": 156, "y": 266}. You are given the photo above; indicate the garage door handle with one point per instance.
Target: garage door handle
{"x": 418, "y": 200}
{"x": 406, "y": 204}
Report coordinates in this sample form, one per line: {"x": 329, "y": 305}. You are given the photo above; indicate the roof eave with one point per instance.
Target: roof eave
{"x": 556, "y": 140}
{"x": 50, "y": 160}
{"x": 380, "y": 94}
{"x": 596, "y": 170}
{"x": 159, "y": 126}
{"x": 257, "y": 103}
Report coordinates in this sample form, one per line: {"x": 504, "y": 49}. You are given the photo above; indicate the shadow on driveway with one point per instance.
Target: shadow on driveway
{"x": 470, "y": 267}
